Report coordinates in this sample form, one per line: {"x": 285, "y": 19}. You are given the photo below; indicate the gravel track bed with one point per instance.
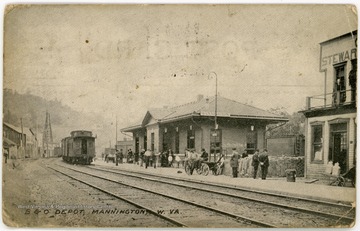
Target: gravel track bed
{"x": 130, "y": 215}
{"x": 289, "y": 218}
{"x": 35, "y": 196}
{"x": 189, "y": 215}
{"x": 339, "y": 210}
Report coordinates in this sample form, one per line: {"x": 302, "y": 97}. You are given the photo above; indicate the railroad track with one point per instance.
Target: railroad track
{"x": 332, "y": 210}
{"x": 270, "y": 209}
{"x": 177, "y": 211}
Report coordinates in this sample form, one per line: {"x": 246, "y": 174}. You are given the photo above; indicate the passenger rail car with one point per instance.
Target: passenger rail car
{"x": 78, "y": 148}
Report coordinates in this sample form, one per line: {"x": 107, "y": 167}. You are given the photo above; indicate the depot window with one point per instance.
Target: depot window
{"x": 215, "y": 143}
{"x": 152, "y": 141}
{"x": 145, "y": 141}
{"x": 177, "y": 142}
{"x": 317, "y": 153}
{"x": 191, "y": 138}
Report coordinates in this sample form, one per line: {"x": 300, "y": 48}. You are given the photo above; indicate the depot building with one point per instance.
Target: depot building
{"x": 192, "y": 126}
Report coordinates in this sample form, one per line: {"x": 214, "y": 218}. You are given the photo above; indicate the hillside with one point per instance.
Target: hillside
{"x": 32, "y": 109}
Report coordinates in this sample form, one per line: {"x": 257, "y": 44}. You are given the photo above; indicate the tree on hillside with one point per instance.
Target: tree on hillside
{"x": 295, "y": 125}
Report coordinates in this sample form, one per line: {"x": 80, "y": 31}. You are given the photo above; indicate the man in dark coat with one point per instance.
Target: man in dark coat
{"x": 142, "y": 158}
{"x": 255, "y": 162}
{"x": 234, "y": 163}
{"x": 117, "y": 157}
{"x": 203, "y": 157}
{"x": 121, "y": 156}
{"x": 264, "y": 163}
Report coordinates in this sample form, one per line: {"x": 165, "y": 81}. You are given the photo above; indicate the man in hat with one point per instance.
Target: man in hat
{"x": 142, "y": 157}
{"x": 255, "y": 162}
{"x": 203, "y": 157}
{"x": 234, "y": 163}
{"x": 264, "y": 163}
{"x": 147, "y": 155}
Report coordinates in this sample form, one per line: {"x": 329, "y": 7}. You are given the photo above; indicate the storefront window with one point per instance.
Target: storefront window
{"x": 339, "y": 96}
{"x": 317, "y": 153}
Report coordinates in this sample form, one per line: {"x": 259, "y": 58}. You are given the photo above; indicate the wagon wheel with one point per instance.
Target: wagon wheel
{"x": 219, "y": 170}
{"x": 187, "y": 168}
{"x": 199, "y": 170}
{"x": 205, "y": 169}
{"x": 341, "y": 181}
{"x": 214, "y": 170}
{"x": 335, "y": 183}
{"x": 338, "y": 182}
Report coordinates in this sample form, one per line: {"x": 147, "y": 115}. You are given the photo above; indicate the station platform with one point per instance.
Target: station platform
{"x": 300, "y": 188}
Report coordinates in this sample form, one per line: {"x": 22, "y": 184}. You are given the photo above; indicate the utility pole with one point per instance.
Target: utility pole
{"x": 216, "y": 93}
{"x": 216, "y": 126}
{"x": 116, "y": 134}
{"x": 216, "y": 85}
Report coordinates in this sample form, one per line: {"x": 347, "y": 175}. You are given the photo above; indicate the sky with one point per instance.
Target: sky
{"x": 120, "y": 60}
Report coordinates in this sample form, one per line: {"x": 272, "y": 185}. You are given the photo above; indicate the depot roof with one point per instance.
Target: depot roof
{"x": 205, "y": 107}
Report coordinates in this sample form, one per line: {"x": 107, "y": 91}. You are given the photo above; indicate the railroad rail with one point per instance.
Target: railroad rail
{"x": 312, "y": 206}
{"x": 194, "y": 211}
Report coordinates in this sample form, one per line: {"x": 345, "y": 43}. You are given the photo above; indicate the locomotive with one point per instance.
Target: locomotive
{"x": 79, "y": 147}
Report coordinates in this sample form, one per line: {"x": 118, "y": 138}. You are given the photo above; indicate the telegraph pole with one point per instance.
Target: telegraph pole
{"x": 116, "y": 134}
{"x": 216, "y": 126}
{"x": 216, "y": 85}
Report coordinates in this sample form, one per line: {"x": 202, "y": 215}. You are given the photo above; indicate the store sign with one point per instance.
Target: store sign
{"x": 339, "y": 57}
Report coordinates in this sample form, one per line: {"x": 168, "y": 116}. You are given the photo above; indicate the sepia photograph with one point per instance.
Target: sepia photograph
{"x": 179, "y": 115}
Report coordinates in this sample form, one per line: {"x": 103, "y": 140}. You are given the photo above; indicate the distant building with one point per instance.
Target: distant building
{"x": 23, "y": 140}
{"x": 331, "y": 116}
{"x": 125, "y": 145}
{"x": 11, "y": 140}
{"x": 14, "y": 134}
{"x": 32, "y": 145}
{"x": 192, "y": 126}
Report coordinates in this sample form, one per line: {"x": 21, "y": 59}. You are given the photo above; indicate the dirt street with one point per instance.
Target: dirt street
{"x": 34, "y": 196}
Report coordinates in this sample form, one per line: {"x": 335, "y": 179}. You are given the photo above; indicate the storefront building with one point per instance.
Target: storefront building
{"x": 192, "y": 126}
{"x": 331, "y": 117}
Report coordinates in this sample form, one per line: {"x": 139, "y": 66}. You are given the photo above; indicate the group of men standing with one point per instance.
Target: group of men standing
{"x": 150, "y": 158}
{"x": 258, "y": 159}
{"x": 130, "y": 157}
